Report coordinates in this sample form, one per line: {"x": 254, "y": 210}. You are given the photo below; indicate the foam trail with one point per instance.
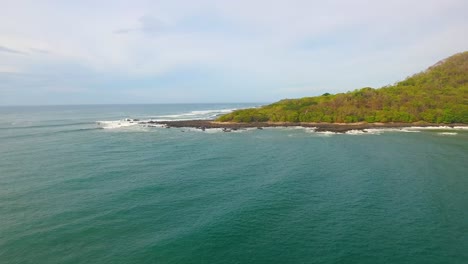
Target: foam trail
{"x": 448, "y": 133}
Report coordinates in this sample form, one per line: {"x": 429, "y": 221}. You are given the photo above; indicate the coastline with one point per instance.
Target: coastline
{"x": 320, "y": 127}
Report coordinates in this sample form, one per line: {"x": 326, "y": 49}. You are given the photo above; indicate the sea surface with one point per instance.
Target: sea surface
{"x": 75, "y": 191}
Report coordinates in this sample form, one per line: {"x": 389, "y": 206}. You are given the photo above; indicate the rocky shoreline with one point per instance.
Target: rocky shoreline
{"x": 332, "y": 127}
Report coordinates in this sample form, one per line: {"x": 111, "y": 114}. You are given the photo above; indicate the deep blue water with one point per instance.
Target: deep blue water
{"x": 72, "y": 192}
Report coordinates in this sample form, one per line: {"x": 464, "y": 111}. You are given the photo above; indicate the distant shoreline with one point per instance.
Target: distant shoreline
{"x": 332, "y": 127}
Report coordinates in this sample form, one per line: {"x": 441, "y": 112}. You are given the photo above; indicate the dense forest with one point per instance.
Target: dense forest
{"x": 436, "y": 95}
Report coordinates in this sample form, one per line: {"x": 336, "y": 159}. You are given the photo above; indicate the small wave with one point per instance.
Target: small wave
{"x": 310, "y": 129}
{"x": 204, "y": 112}
{"x": 192, "y": 115}
{"x": 207, "y": 130}
{"x": 287, "y": 128}
{"x": 41, "y": 134}
{"x": 74, "y": 130}
{"x": 439, "y": 128}
{"x": 13, "y": 127}
{"x": 326, "y": 133}
{"x": 196, "y": 114}
{"x": 378, "y": 131}
{"x": 243, "y": 130}
{"x": 410, "y": 130}
{"x": 218, "y": 130}
{"x": 448, "y": 133}
{"x": 118, "y": 123}
{"x": 356, "y": 132}
{"x": 155, "y": 125}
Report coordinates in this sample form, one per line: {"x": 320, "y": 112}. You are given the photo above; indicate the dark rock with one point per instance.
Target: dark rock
{"x": 228, "y": 127}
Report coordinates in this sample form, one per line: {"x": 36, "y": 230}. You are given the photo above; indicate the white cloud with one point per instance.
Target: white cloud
{"x": 276, "y": 43}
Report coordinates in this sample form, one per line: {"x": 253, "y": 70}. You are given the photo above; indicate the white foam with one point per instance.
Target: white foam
{"x": 356, "y": 132}
{"x": 203, "y": 112}
{"x": 287, "y": 128}
{"x": 326, "y": 133}
{"x": 117, "y": 123}
{"x": 297, "y": 127}
{"x": 410, "y": 130}
{"x": 193, "y": 115}
{"x": 155, "y": 125}
{"x": 242, "y": 130}
{"x": 374, "y": 131}
{"x": 378, "y": 131}
{"x": 218, "y": 130}
{"x": 369, "y": 131}
{"x": 310, "y": 129}
{"x": 212, "y": 130}
{"x": 448, "y": 133}
{"x": 435, "y": 128}
{"x": 207, "y": 130}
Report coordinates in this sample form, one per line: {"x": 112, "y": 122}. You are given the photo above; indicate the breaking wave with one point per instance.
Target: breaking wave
{"x": 192, "y": 115}
{"x": 117, "y": 123}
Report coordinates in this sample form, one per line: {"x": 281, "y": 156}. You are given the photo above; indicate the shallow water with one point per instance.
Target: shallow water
{"x": 71, "y": 192}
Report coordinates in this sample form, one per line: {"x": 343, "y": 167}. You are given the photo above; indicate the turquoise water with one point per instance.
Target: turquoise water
{"x": 71, "y": 192}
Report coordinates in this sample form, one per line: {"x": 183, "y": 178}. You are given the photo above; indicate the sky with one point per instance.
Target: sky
{"x": 201, "y": 51}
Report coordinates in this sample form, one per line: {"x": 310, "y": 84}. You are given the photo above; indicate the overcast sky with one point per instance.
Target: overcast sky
{"x": 88, "y": 52}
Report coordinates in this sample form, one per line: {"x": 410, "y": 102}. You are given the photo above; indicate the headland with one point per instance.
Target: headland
{"x": 332, "y": 127}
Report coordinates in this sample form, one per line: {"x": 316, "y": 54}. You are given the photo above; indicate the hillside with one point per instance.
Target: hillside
{"x": 436, "y": 95}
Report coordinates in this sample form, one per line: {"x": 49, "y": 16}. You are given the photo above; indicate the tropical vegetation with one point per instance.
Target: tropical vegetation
{"x": 436, "y": 95}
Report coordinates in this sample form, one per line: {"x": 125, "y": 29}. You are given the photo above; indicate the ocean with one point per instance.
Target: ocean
{"x": 86, "y": 184}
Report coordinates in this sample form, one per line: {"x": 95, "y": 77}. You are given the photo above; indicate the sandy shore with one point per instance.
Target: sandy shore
{"x": 333, "y": 127}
